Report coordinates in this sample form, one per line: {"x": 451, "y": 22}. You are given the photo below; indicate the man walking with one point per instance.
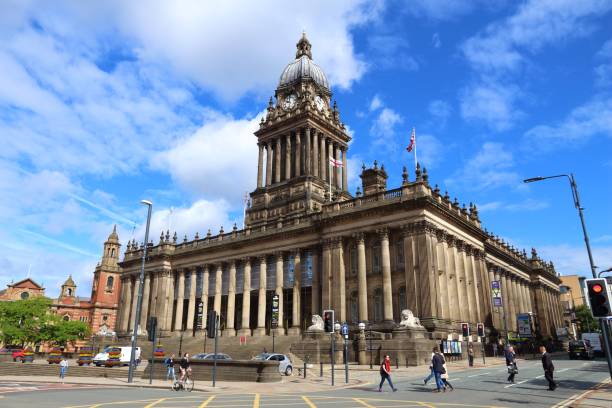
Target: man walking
{"x": 511, "y": 364}
{"x": 63, "y": 368}
{"x": 549, "y": 368}
{"x": 437, "y": 362}
{"x": 471, "y": 355}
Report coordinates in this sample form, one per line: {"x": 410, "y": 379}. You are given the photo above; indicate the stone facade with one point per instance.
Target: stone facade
{"x": 307, "y": 239}
{"x": 23, "y": 289}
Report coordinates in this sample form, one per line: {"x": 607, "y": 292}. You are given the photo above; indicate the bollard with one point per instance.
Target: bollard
{"x": 321, "y": 365}
{"x": 304, "y": 370}
{"x": 396, "y": 362}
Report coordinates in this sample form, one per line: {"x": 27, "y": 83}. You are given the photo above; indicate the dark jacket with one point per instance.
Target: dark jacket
{"x": 437, "y": 362}
{"x": 510, "y": 358}
{"x": 547, "y": 363}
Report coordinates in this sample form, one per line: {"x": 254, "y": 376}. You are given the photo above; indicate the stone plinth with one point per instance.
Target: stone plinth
{"x": 315, "y": 347}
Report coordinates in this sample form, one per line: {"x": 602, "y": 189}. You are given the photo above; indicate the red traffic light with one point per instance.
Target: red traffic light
{"x": 597, "y": 288}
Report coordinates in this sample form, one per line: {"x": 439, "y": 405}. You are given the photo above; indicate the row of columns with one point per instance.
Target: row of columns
{"x": 308, "y": 158}
{"x": 551, "y": 315}
{"x": 166, "y": 298}
{"x": 516, "y": 297}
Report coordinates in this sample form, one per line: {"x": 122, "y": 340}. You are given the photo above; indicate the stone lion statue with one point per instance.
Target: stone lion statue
{"x": 317, "y": 323}
{"x": 409, "y": 319}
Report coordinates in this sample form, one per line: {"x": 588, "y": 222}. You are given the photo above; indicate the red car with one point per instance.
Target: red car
{"x": 18, "y": 355}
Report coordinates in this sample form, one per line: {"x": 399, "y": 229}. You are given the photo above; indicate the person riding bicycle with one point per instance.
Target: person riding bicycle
{"x": 185, "y": 366}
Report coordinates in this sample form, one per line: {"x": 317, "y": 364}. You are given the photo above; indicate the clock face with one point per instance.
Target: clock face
{"x": 319, "y": 102}
{"x": 289, "y": 102}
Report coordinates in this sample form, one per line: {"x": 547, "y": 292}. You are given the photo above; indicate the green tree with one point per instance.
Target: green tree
{"x": 62, "y": 332}
{"x": 23, "y": 321}
{"x": 585, "y": 318}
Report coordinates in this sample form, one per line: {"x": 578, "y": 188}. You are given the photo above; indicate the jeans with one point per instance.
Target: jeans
{"x": 429, "y": 377}
{"x": 384, "y": 377}
{"x": 171, "y": 373}
{"x": 62, "y": 372}
{"x": 439, "y": 382}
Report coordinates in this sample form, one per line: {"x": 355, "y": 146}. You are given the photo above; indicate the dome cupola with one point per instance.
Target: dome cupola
{"x": 303, "y": 67}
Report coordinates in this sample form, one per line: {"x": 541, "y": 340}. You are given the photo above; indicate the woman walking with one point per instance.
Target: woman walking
{"x": 385, "y": 374}
{"x": 63, "y": 368}
{"x": 444, "y": 377}
{"x": 471, "y": 355}
{"x": 511, "y": 364}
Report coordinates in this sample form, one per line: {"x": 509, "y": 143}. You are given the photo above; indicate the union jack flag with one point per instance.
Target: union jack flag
{"x": 412, "y": 141}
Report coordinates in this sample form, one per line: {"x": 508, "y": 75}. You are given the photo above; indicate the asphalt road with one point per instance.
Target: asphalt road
{"x": 473, "y": 388}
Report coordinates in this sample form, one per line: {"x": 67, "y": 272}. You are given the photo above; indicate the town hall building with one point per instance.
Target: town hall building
{"x": 368, "y": 256}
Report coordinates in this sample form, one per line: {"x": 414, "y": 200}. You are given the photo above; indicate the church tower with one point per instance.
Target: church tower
{"x": 106, "y": 287}
{"x": 298, "y": 139}
{"x": 68, "y": 289}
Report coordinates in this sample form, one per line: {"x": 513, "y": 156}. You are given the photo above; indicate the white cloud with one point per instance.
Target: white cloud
{"x": 391, "y": 52}
{"x": 570, "y": 259}
{"x": 376, "y": 103}
{"x": 440, "y": 110}
{"x": 591, "y": 119}
{"x": 492, "y": 104}
{"x": 430, "y": 150}
{"x": 384, "y": 126}
{"x": 445, "y": 10}
{"x": 527, "y": 205}
{"x": 435, "y": 40}
{"x": 491, "y": 167}
{"x": 218, "y": 160}
{"x": 603, "y": 71}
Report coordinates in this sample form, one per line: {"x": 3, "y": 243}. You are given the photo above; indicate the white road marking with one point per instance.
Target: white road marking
{"x": 512, "y": 385}
{"x": 477, "y": 375}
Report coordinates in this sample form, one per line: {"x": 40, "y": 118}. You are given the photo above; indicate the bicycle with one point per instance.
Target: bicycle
{"x": 186, "y": 384}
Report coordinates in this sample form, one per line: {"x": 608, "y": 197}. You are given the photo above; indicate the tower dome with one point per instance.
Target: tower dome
{"x": 303, "y": 67}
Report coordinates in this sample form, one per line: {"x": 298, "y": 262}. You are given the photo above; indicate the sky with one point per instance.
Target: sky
{"x": 103, "y": 104}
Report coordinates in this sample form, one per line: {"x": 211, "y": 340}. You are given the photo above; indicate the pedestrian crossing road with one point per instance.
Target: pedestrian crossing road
{"x": 484, "y": 387}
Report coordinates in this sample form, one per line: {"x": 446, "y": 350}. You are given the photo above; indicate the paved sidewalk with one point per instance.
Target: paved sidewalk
{"x": 599, "y": 397}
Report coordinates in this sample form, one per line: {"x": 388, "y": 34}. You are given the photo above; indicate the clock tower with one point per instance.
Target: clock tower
{"x": 300, "y": 136}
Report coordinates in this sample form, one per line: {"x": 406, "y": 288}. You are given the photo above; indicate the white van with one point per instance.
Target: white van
{"x": 126, "y": 351}
{"x": 595, "y": 340}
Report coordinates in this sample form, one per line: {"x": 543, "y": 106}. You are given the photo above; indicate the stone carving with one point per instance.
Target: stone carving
{"x": 409, "y": 319}
{"x": 317, "y": 323}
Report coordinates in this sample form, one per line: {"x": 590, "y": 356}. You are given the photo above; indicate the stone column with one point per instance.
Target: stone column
{"x": 528, "y": 297}
{"x": 386, "y": 275}
{"x": 316, "y": 283}
{"x": 468, "y": 283}
{"x": 126, "y": 297}
{"x": 323, "y": 159}
{"x": 441, "y": 273}
{"x": 326, "y": 279}
{"x": 231, "y": 299}
{"x": 340, "y": 284}
{"x": 153, "y": 295}
{"x": 167, "y": 300}
{"x": 218, "y": 286}
{"x": 344, "y": 171}
{"x": 178, "y": 319}
{"x": 454, "y": 285}
{"x": 495, "y": 312}
{"x": 277, "y": 161}
{"x": 288, "y": 156}
{"x": 279, "y": 292}
{"x": 330, "y": 154}
{"x": 144, "y": 311}
{"x": 485, "y": 297}
{"x": 260, "y": 166}
{"x": 477, "y": 281}
{"x": 315, "y": 153}
{"x": 245, "y": 329}
{"x": 269, "y": 165}
{"x": 338, "y": 170}
{"x": 192, "y": 298}
{"x": 297, "y": 298}
{"x": 298, "y": 155}
{"x": 362, "y": 279}
{"x": 261, "y": 308}
{"x": 307, "y": 159}
{"x": 205, "y": 282}
{"x": 134, "y": 302}
{"x": 410, "y": 272}
{"x": 503, "y": 279}
{"x": 461, "y": 282}
{"x": 512, "y": 302}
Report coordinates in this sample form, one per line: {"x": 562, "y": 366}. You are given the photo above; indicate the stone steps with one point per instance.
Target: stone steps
{"x": 27, "y": 369}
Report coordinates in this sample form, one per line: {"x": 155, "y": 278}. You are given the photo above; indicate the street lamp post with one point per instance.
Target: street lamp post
{"x": 576, "y": 198}
{"x": 149, "y": 204}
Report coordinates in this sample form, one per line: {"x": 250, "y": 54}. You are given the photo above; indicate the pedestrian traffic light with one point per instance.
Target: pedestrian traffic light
{"x": 480, "y": 328}
{"x": 599, "y": 297}
{"x": 152, "y": 327}
{"x": 328, "y": 321}
{"x": 211, "y": 325}
{"x": 465, "y": 329}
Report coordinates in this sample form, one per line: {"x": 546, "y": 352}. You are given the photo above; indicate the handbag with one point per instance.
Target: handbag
{"x": 512, "y": 369}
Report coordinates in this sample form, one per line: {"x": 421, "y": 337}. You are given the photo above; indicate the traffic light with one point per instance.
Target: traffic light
{"x": 480, "y": 328}
{"x": 152, "y": 327}
{"x": 599, "y": 297}
{"x": 328, "y": 321}
{"x": 465, "y": 329}
{"x": 211, "y": 325}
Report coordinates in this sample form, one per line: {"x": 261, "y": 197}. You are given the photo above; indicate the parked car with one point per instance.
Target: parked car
{"x": 284, "y": 363}
{"x": 211, "y": 356}
{"x": 581, "y": 349}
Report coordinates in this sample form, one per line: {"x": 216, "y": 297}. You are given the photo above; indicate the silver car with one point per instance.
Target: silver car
{"x": 211, "y": 356}
{"x": 284, "y": 364}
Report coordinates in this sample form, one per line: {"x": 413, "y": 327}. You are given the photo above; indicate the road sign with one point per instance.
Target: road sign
{"x": 524, "y": 324}
{"x": 200, "y": 315}
{"x": 345, "y": 329}
{"x": 495, "y": 285}
{"x": 497, "y": 301}
{"x": 275, "y": 303}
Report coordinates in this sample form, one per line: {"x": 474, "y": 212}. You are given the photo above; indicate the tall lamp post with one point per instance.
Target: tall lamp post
{"x": 149, "y": 204}
{"x": 576, "y": 198}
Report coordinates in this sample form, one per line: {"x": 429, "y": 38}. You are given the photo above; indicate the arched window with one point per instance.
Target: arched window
{"x": 109, "y": 283}
{"x": 403, "y": 303}
{"x": 378, "y": 305}
{"x": 354, "y": 308}
{"x": 66, "y": 318}
{"x": 113, "y": 252}
{"x": 68, "y": 292}
{"x": 25, "y": 295}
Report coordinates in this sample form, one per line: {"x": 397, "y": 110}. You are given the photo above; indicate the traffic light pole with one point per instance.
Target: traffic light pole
{"x": 605, "y": 329}
{"x": 214, "y": 370}
{"x": 333, "y": 355}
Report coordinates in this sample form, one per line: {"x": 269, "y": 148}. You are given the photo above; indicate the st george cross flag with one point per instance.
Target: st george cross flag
{"x": 412, "y": 141}
{"x": 334, "y": 162}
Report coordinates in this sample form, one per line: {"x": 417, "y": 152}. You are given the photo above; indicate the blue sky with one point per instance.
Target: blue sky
{"x": 103, "y": 105}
